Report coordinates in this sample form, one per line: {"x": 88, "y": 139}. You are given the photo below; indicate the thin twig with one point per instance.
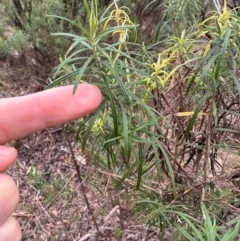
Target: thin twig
{"x": 207, "y": 151}
{"x": 85, "y": 237}
{"x": 36, "y": 216}
{"x": 80, "y": 180}
{"x": 111, "y": 213}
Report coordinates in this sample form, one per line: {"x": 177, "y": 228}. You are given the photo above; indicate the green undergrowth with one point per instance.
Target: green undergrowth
{"x": 49, "y": 189}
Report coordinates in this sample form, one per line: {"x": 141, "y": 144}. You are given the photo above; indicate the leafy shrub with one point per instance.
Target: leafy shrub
{"x": 171, "y": 96}
{"x": 168, "y": 106}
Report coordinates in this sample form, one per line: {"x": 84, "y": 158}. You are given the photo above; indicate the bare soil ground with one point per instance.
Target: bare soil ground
{"x": 51, "y": 202}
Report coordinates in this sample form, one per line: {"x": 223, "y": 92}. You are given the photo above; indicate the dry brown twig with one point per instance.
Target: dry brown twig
{"x": 77, "y": 168}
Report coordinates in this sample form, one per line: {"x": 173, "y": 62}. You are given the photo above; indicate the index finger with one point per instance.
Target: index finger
{"x": 20, "y": 116}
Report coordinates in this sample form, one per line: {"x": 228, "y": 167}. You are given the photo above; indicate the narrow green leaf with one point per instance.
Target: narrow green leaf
{"x": 81, "y": 73}
{"x": 127, "y": 174}
{"x": 231, "y": 235}
{"x": 106, "y": 11}
{"x": 76, "y": 38}
{"x": 86, "y": 6}
{"x": 94, "y": 117}
{"x": 157, "y": 161}
{"x": 185, "y": 233}
{"x": 140, "y": 165}
{"x": 198, "y": 109}
{"x": 222, "y": 54}
{"x": 113, "y": 105}
{"x": 111, "y": 141}
{"x": 62, "y": 78}
{"x": 122, "y": 87}
{"x": 210, "y": 55}
{"x": 236, "y": 80}
{"x": 126, "y": 143}
{"x": 209, "y": 228}
{"x": 70, "y": 21}
{"x": 170, "y": 170}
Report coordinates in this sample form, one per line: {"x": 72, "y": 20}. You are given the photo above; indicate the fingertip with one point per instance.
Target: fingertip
{"x": 9, "y": 197}
{"x": 11, "y": 230}
{"x": 8, "y": 155}
{"x": 90, "y": 95}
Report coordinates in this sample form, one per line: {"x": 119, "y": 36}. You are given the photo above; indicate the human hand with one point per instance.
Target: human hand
{"x": 21, "y": 116}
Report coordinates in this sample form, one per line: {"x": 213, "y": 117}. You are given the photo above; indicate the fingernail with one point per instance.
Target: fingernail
{"x": 6, "y": 150}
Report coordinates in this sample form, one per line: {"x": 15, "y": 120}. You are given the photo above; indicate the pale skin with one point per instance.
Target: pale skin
{"x": 21, "y": 116}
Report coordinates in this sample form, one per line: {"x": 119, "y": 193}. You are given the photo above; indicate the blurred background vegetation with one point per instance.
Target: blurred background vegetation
{"x": 30, "y": 26}
{"x": 169, "y": 74}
